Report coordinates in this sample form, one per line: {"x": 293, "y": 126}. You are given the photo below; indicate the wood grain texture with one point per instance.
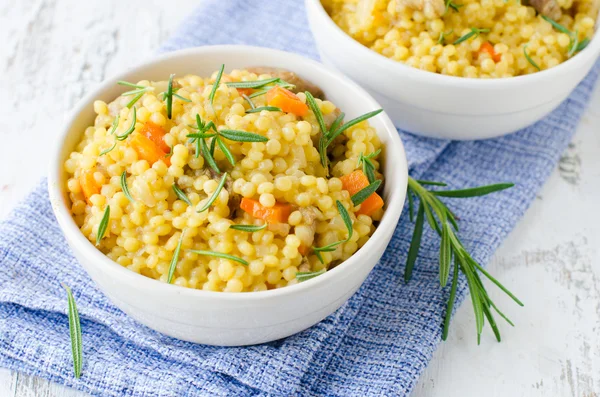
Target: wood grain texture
{"x": 53, "y": 51}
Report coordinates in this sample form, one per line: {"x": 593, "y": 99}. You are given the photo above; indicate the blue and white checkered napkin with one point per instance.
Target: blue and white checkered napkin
{"x": 376, "y": 344}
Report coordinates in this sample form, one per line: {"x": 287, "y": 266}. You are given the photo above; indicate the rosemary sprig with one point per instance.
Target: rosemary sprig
{"x": 574, "y": 45}
{"x": 443, "y": 221}
{"x": 303, "y": 276}
{"x": 248, "y": 228}
{"x": 175, "y": 259}
{"x": 220, "y": 255}
{"x": 368, "y": 167}
{"x": 475, "y": 32}
{"x": 451, "y": 4}
{"x": 129, "y": 130}
{"x": 75, "y": 333}
{"x": 253, "y": 84}
{"x": 138, "y": 91}
{"x": 181, "y": 195}
{"x": 103, "y": 225}
{"x": 364, "y": 193}
{"x": 242, "y": 136}
{"x": 211, "y": 97}
{"x": 333, "y": 246}
{"x": 267, "y": 108}
{"x": 250, "y": 103}
{"x": 215, "y": 194}
{"x": 328, "y": 135}
{"x": 266, "y": 89}
{"x": 125, "y": 188}
{"x": 169, "y": 97}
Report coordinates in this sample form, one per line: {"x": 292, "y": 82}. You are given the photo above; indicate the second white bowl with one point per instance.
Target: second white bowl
{"x": 448, "y": 107}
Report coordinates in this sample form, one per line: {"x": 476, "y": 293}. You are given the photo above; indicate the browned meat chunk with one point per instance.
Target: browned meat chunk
{"x": 292, "y": 78}
{"x": 549, "y": 8}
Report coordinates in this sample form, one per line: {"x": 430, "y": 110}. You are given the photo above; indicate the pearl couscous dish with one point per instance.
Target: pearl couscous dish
{"x": 470, "y": 38}
{"x": 241, "y": 181}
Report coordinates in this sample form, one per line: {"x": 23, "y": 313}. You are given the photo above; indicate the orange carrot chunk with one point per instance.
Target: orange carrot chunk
{"x": 88, "y": 184}
{"x": 489, "y": 48}
{"x": 303, "y": 250}
{"x": 354, "y": 183}
{"x": 155, "y": 133}
{"x": 286, "y": 101}
{"x": 279, "y": 213}
{"x": 147, "y": 149}
{"x": 245, "y": 91}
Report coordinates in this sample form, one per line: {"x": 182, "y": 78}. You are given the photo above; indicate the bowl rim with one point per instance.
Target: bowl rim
{"x": 105, "y": 264}
{"x": 437, "y": 78}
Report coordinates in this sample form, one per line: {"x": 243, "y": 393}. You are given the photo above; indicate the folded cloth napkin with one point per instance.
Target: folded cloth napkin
{"x": 376, "y": 344}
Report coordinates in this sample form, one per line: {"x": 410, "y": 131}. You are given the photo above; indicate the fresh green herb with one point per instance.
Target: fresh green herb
{"x": 175, "y": 259}
{"x": 103, "y": 225}
{"x": 199, "y": 137}
{"x": 303, "y": 276}
{"x": 444, "y": 223}
{"x": 249, "y": 101}
{"x": 329, "y": 135}
{"x": 215, "y": 194}
{"x": 211, "y": 97}
{"x": 260, "y": 109}
{"x": 531, "y": 61}
{"x": 170, "y": 152}
{"x": 105, "y": 151}
{"x": 181, "y": 98}
{"x": 368, "y": 167}
{"x": 451, "y": 4}
{"x": 128, "y": 84}
{"x": 181, "y": 195}
{"x": 225, "y": 151}
{"x": 442, "y": 38}
{"x": 75, "y": 333}
{"x": 365, "y": 193}
{"x": 114, "y": 125}
{"x": 208, "y": 156}
{"x": 134, "y": 100}
{"x": 220, "y": 255}
{"x": 125, "y": 188}
{"x": 253, "y": 84}
{"x": 280, "y": 83}
{"x": 242, "y": 136}
{"x": 131, "y": 128}
{"x": 332, "y": 247}
{"x": 475, "y": 32}
{"x": 432, "y": 183}
{"x": 574, "y": 45}
{"x": 248, "y": 228}
{"x": 138, "y": 90}
{"x": 169, "y": 97}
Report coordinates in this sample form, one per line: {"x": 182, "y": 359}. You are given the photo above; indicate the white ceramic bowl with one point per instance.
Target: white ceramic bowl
{"x": 220, "y": 318}
{"x": 442, "y": 106}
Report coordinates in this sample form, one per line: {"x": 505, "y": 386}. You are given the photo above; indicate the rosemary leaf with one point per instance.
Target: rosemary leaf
{"x": 451, "y": 300}
{"x": 473, "y": 192}
{"x": 225, "y": 151}
{"x": 169, "y": 97}
{"x": 415, "y": 244}
{"x": 242, "y": 136}
{"x": 220, "y": 255}
{"x": 181, "y": 195}
{"x": 134, "y": 100}
{"x": 303, "y": 276}
{"x": 175, "y": 259}
{"x": 411, "y": 204}
{"x": 215, "y": 194}
{"x": 252, "y": 84}
{"x": 557, "y": 25}
{"x": 337, "y": 122}
{"x": 105, "y": 151}
{"x": 211, "y": 97}
{"x": 247, "y": 98}
{"x": 267, "y": 108}
{"x": 208, "y": 156}
{"x": 128, "y": 84}
{"x": 433, "y": 183}
{"x": 351, "y": 123}
{"x": 345, "y": 217}
{"x": 365, "y": 193}
{"x": 131, "y": 128}
{"x": 312, "y": 104}
{"x": 248, "y": 228}
{"x": 475, "y": 32}
{"x": 445, "y": 255}
{"x": 114, "y": 125}
{"x": 75, "y": 333}
{"x": 182, "y": 98}
{"x": 531, "y": 61}
{"x": 103, "y": 225}
{"x": 125, "y": 188}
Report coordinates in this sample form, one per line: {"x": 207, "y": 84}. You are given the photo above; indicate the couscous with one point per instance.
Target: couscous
{"x": 470, "y": 38}
{"x": 242, "y": 181}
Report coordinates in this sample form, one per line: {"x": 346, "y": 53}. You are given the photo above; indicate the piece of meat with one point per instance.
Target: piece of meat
{"x": 431, "y": 8}
{"x": 301, "y": 85}
{"x": 549, "y": 8}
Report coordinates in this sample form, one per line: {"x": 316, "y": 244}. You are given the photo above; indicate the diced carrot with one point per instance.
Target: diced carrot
{"x": 489, "y": 48}
{"x": 354, "y": 183}
{"x": 279, "y": 213}
{"x": 155, "y": 133}
{"x": 245, "y": 91}
{"x": 147, "y": 149}
{"x": 88, "y": 184}
{"x": 286, "y": 101}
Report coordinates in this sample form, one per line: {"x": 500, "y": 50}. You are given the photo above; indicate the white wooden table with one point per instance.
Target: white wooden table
{"x": 52, "y": 52}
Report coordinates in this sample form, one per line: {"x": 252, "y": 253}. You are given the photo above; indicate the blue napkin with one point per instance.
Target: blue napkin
{"x": 376, "y": 344}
